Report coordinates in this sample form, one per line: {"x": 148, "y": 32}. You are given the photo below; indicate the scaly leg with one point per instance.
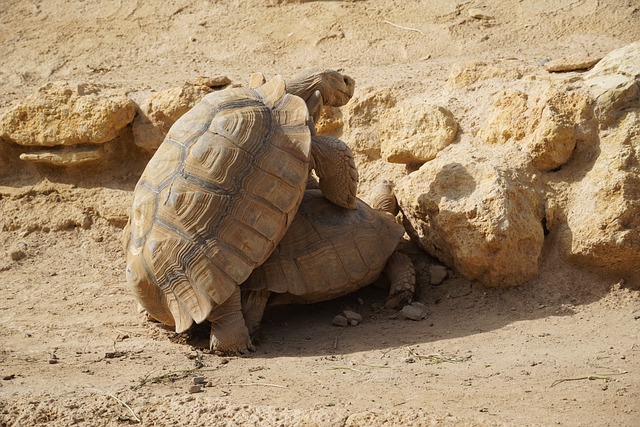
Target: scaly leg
{"x": 229, "y": 334}
{"x": 402, "y": 275}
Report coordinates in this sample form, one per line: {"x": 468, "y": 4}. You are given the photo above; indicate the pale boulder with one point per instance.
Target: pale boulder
{"x": 415, "y": 132}
{"x": 67, "y": 114}
{"x": 157, "y": 112}
{"x": 507, "y": 119}
{"x": 546, "y": 124}
{"x": 362, "y": 120}
{"x": 602, "y": 225}
{"x": 477, "y": 211}
{"x": 614, "y": 83}
{"x": 561, "y": 118}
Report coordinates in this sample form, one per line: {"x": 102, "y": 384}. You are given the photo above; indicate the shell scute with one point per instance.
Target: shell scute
{"x": 211, "y": 160}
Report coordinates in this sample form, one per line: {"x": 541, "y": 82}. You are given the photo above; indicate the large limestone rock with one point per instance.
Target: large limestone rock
{"x": 602, "y": 227}
{"x": 615, "y": 83}
{"x": 477, "y": 211}
{"x": 415, "y": 132}
{"x": 362, "y": 120}
{"x": 158, "y": 112}
{"x": 546, "y": 124}
{"x": 66, "y": 114}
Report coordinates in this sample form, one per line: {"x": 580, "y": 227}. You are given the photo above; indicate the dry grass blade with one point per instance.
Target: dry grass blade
{"x": 172, "y": 376}
{"x": 122, "y": 402}
{"x": 588, "y": 377}
{"x": 346, "y": 368}
{"x": 437, "y": 358}
{"x": 257, "y": 384}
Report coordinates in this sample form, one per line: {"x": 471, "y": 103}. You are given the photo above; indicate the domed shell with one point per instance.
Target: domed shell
{"x": 327, "y": 252}
{"x": 215, "y": 200}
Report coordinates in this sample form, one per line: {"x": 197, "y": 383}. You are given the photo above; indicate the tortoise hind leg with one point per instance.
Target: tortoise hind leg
{"x": 253, "y": 305}
{"x": 402, "y": 275}
{"x": 229, "y": 334}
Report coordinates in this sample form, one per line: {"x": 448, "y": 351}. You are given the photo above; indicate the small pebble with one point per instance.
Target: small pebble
{"x": 437, "y": 274}
{"x": 196, "y": 388}
{"x": 340, "y": 320}
{"x": 477, "y": 13}
{"x": 415, "y": 311}
{"x": 198, "y": 380}
{"x": 353, "y": 322}
{"x": 352, "y": 315}
{"x": 53, "y": 360}
{"x": 16, "y": 254}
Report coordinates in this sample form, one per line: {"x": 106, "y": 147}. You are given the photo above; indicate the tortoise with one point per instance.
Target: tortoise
{"x": 217, "y": 197}
{"x": 329, "y": 251}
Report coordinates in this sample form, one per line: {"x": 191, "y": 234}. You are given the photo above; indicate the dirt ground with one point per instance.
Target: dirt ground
{"x": 563, "y": 349}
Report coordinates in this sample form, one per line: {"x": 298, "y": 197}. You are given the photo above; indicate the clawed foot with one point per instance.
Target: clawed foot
{"x": 399, "y": 299}
{"x": 230, "y": 340}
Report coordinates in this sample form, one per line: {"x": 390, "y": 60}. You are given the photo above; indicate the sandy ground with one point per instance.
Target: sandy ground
{"x": 563, "y": 349}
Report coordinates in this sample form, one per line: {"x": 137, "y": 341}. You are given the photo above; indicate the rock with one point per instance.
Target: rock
{"x": 602, "y": 224}
{"x": 575, "y": 62}
{"x": 467, "y": 74}
{"x": 64, "y": 156}
{"x": 415, "y": 311}
{"x": 352, "y": 316}
{"x": 362, "y": 118}
{"x": 437, "y": 274}
{"x": 196, "y": 388}
{"x": 504, "y": 122}
{"x": 614, "y": 83}
{"x": 18, "y": 252}
{"x": 158, "y": 112}
{"x": 560, "y": 119}
{"x": 340, "y": 320}
{"x": 67, "y": 114}
{"x": 330, "y": 121}
{"x": 546, "y": 124}
{"x": 198, "y": 380}
{"x": 415, "y": 132}
{"x": 477, "y": 211}
{"x": 477, "y": 13}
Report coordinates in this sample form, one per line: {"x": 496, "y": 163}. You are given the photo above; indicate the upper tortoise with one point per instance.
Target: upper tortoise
{"x": 220, "y": 193}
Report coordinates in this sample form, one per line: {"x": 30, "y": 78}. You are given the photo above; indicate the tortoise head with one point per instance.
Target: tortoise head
{"x": 336, "y": 88}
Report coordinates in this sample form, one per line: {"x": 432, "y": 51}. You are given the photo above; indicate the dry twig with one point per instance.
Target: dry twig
{"x": 589, "y": 377}
{"x": 404, "y": 28}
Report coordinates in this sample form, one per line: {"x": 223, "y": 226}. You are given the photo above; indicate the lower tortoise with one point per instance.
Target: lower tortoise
{"x": 329, "y": 252}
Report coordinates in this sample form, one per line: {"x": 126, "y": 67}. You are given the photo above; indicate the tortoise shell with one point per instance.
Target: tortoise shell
{"x": 328, "y": 251}
{"x": 215, "y": 200}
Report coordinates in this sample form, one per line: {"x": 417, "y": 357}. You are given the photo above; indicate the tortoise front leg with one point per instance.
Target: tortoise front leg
{"x": 402, "y": 275}
{"x": 229, "y": 334}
